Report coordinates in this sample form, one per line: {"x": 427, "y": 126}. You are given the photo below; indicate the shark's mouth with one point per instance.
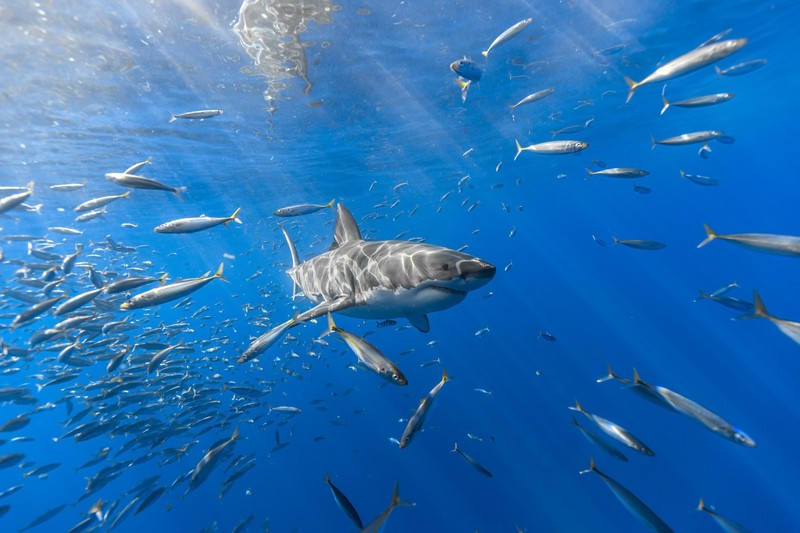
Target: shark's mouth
{"x": 447, "y": 290}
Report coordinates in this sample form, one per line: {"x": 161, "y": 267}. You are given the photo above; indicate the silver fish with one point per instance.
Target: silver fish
{"x": 344, "y": 503}
{"x": 640, "y": 244}
{"x": 369, "y": 355}
{"x": 172, "y": 291}
{"x": 689, "y": 62}
{"x": 471, "y": 460}
{"x": 533, "y": 97}
{"x": 698, "y": 101}
{"x": 140, "y": 182}
{"x": 763, "y": 242}
{"x": 616, "y": 431}
{"x": 552, "y": 147}
{"x": 96, "y": 203}
{"x": 729, "y": 526}
{"x": 418, "y": 418}
{"x": 694, "y": 137}
{"x": 619, "y": 172}
{"x": 302, "y": 209}
{"x": 631, "y": 502}
{"x": 506, "y": 35}
{"x": 10, "y": 202}
{"x": 192, "y": 225}
{"x": 741, "y": 68}
{"x": 203, "y": 113}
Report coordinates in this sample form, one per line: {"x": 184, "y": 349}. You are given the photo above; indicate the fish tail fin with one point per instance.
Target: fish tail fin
{"x": 710, "y": 236}
{"x": 519, "y": 149}
{"x": 703, "y": 295}
{"x": 163, "y": 277}
{"x": 172, "y": 118}
{"x": 331, "y": 327}
{"x": 616, "y": 241}
{"x": 591, "y": 467}
{"x": 235, "y": 434}
{"x": 39, "y": 387}
{"x": 664, "y": 99}
{"x": 218, "y": 273}
{"x": 445, "y": 377}
{"x": 125, "y": 194}
{"x": 485, "y": 54}
{"x": 589, "y": 173}
{"x": 396, "y": 501}
{"x": 609, "y": 376}
{"x": 718, "y": 70}
{"x": 636, "y": 379}
{"x": 701, "y": 506}
{"x": 30, "y": 186}
{"x": 178, "y": 192}
{"x": 759, "y": 311}
{"x": 654, "y": 141}
{"x": 577, "y": 407}
{"x": 330, "y": 204}
{"x": 455, "y": 448}
{"x": 234, "y": 217}
{"x": 632, "y": 86}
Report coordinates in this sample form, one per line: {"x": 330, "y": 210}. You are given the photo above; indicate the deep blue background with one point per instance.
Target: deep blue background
{"x": 88, "y": 88}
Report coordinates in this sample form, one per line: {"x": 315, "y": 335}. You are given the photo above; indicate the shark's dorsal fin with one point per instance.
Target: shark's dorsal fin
{"x": 346, "y": 228}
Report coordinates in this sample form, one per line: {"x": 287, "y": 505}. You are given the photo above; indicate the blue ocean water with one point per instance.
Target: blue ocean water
{"x": 357, "y": 102}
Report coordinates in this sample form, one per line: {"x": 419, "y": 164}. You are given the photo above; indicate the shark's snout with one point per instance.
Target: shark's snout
{"x": 476, "y": 270}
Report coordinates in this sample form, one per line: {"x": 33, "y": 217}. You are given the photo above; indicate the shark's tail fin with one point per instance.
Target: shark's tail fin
{"x": 295, "y": 260}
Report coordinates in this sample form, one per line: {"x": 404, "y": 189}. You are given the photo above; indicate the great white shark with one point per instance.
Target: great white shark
{"x": 377, "y": 280}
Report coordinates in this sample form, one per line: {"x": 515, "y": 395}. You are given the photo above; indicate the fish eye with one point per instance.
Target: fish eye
{"x": 445, "y": 266}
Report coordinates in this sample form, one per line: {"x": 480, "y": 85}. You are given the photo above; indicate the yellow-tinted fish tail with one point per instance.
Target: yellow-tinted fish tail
{"x": 590, "y": 173}
{"x": 218, "y": 273}
{"x": 445, "y": 377}
{"x": 330, "y": 204}
{"x": 710, "y": 236}
{"x": 632, "y": 88}
{"x": 664, "y": 99}
{"x": 234, "y": 217}
{"x": 485, "y": 54}
{"x": 701, "y": 506}
{"x": 519, "y": 149}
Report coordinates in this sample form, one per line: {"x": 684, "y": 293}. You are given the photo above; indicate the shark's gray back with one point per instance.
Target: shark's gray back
{"x": 356, "y": 268}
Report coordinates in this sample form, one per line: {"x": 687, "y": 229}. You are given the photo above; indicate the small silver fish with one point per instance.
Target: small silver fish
{"x": 201, "y": 114}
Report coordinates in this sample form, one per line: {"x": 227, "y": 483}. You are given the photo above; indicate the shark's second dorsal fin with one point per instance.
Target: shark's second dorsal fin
{"x": 346, "y": 227}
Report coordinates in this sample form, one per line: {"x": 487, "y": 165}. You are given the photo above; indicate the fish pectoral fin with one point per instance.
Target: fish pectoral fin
{"x": 420, "y": 322}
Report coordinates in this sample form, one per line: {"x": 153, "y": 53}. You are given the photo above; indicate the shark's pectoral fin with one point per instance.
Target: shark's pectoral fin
{"x": 328, "y": 306}
{"x": 420, "y": 322}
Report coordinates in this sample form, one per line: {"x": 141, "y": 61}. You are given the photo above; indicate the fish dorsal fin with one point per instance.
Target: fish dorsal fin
{"x": 420, "y": 322}
{"x": 346, "y": 228}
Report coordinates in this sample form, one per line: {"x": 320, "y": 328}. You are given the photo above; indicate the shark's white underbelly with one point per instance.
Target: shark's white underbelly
{"x": 380, "y": 304}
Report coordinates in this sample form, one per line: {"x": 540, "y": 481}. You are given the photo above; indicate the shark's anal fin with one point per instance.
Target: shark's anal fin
{"x": 346, "y": 227}
{"x": 420, "y": 322}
